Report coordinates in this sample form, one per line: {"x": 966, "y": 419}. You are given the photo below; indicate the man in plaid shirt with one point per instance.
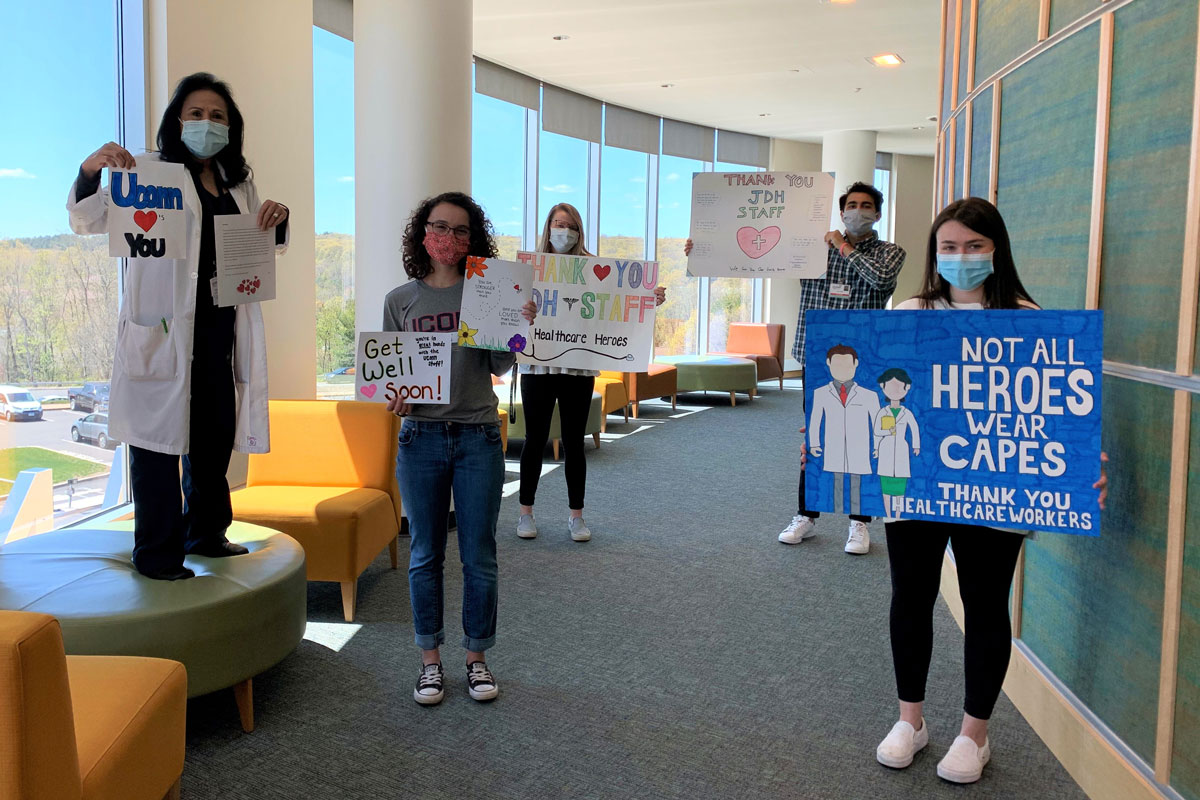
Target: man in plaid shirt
{"x": 861, "y": 273}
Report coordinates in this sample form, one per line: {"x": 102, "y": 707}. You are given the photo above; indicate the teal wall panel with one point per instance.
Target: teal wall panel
{"x": 948, "y": 65}
{"x": 1047, "y": 146}
{"x": 1185, "y": 774}
{"x": 981, "y": 143}
{"x": 1007, "y": 29}
{"x": 1064, "y": 12}
{"x": 1150, "y": 133}
{"x": 960, "y": 155}
{"x": 1093, "y": 607}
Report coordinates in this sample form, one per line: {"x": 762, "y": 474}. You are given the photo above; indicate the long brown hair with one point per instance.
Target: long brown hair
{"x": 543, "y": 244}
{"x": 1003, "y": 288}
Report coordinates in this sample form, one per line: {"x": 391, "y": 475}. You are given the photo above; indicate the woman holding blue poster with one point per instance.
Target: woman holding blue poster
{"x": 969, "y": 266}
{"x": 451, "y": 449}
{"x": 543, "y": 386}
{"x": 189, "y": 377}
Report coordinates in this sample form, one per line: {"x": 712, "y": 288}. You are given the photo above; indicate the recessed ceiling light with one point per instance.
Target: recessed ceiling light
{"x": 562, "y": 37}
{"x": 766, "y": 114}
{"x": 886, "y": 60}
{"x": 932, "y": 118}
{"x": 668, "y": 85}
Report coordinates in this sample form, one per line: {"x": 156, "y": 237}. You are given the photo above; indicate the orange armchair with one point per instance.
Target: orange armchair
{"x": 659, "y": 381}
{"x": 329, "y": 482}
{"x": 613, "y": 396}
{"x": 84, "y": 727}
{"x": 761, "y": 342}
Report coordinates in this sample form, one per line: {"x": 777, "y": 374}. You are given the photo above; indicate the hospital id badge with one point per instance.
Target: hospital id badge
{"x": 839, "y": 290}
{"x": 212, "y": 287}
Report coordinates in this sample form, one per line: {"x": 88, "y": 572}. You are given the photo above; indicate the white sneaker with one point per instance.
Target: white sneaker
{"x": 965, "y": 760}
{"x": 859, "y": 542}
{"x": 901, "y": 744}
{"x": 578, "y": 529}
{"x": 799, "y": 529}
{"x": 525, "y": 527}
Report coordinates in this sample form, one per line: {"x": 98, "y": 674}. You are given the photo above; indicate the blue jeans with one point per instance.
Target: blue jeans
{"x": 433, "y": 459}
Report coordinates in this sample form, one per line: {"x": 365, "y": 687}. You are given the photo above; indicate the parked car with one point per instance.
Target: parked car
{"x": 340, "y": 372}
{"x": 92, "y": 397}
{"x": 92, "y": 428}
{"x": 17, "y": 403}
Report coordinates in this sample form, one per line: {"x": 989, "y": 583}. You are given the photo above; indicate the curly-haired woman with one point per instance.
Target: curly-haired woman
{"x": 449, "y": 448}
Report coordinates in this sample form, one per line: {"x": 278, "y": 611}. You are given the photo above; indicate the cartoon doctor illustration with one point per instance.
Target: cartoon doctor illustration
{"x": 892, "y": 422}
{"x": 848, "y": 411}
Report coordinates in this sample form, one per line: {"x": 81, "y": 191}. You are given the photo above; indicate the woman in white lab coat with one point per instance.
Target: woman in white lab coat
{"x": 189, "y": 378}
{"x": 893, "y": 423}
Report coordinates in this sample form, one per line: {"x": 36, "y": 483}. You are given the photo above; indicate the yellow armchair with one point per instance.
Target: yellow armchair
{"x": 329, "y": 482}
{"x": 86, "y": 727}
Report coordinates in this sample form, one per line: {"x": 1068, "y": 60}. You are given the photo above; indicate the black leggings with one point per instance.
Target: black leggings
{"x": 985, "y": 559}
{"x": 538, "y": 395}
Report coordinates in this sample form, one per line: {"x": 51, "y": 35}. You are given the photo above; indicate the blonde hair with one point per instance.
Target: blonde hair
{"x": 543, "y": 244}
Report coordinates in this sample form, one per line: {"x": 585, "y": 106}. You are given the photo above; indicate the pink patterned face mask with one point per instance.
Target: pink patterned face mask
{"x": 445, "y": 248}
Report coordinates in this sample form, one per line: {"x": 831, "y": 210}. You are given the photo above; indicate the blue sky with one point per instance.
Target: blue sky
{"x": 71, "y": 113}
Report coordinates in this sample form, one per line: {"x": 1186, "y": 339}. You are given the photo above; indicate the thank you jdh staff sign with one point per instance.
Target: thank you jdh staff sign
{"x": 760, "y": 224}
{"x": 984, "y": 417}
{"x": 410, "y": 365}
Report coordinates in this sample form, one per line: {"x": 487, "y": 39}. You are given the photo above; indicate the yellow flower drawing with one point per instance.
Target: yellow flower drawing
{"x": 466, "y": 335}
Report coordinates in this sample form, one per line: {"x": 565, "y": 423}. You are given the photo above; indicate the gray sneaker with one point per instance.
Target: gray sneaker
{"x": 578, "y": 529}
{"x": 525, "y": 527}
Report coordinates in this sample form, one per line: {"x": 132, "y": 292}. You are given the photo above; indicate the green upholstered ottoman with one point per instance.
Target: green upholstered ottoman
{"x": 238, "y": 617}
{"x": 516, "y": 422}
{"x": 714, "y": 373}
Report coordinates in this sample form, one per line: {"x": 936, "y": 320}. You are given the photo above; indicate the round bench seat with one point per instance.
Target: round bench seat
{"x": 714, "y": 373}
{"x": 238, "y": 617}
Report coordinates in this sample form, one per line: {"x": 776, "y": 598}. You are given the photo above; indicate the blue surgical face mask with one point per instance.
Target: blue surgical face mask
{"x": 204, "y": 138}
{"x": 965, "y": 271}
{"x": 563, "y": 239}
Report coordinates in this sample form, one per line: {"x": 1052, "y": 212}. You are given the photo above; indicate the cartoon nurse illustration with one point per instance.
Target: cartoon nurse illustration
{"x": 847, "y": 410}
{"x": 892, "y": 423}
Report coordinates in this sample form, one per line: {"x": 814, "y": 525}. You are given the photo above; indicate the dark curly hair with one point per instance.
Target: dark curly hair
{"x": 170, "y": 130}
{"x": 416, "y": 258}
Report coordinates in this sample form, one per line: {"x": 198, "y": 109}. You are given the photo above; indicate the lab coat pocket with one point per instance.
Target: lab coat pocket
{"x": 148, "y": 351}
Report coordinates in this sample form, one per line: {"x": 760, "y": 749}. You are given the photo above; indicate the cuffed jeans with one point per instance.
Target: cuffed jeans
{"x": 433, "y": 459}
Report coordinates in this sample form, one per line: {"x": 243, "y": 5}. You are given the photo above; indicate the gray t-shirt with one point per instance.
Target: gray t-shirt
{"x": 415, "y": 306}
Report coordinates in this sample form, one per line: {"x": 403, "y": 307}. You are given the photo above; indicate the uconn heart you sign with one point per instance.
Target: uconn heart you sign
{"x": 146, "y": 215}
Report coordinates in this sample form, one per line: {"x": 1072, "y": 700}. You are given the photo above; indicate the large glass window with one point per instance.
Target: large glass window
{"x": 498, "y": 171}
{"x": 562, "y": 174}
{"x": 883, "y": 182}
{"x": 622, "y": 203}
{"x": 676, "y": 323}
{"x": 333, "y": 174}
{"x": 58, "y": 291}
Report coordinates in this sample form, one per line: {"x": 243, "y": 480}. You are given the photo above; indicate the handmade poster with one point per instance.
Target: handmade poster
{"x": 245, "y": 260}
{"x": 411, "y": 365}
{"x": 592, "y": 313}
{"x": 980, "y": 417}
{"x": 760, "y": 224}
{"x": 493, "y": 293}
{"x": 146, "y": 216}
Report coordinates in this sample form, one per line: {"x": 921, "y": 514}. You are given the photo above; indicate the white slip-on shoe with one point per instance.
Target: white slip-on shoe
{"x": 965, "y": 760}
{"x": 799, "y": 529}
{"x": 859, "y": 541}
{"x": 526, "y": 528}
{"x": 901, "y": 744}
{"x": 578, "y": 529}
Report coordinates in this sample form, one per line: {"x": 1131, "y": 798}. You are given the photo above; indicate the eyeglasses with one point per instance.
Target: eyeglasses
{"x": 441, "y": 229}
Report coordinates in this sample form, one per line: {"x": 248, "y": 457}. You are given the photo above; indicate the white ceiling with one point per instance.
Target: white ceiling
{"x": 802, "y": 62}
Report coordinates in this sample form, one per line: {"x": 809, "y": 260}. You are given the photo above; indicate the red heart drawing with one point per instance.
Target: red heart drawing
{"x": 241, "y": 287}
{"x": 369, "y": 390}
{"x": 517, "y": 286}
{"x": 601, "y": 271}
{"x": 145, "y": 219}
{"x": 257, "y": 283}
{"x": 756, "y": 243}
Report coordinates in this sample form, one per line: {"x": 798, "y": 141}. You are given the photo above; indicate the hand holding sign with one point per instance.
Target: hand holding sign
{"x": 110, "y": 155}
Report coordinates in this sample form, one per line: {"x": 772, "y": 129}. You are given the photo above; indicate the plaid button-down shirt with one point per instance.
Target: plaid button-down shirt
{"x": 870, "y": 272}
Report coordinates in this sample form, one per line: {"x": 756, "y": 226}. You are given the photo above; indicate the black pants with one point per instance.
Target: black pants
{"x": 573, "y": 393}
{"x": 800, "y": 509}
{"x": 167, "y": 523}
{"x": 985, "y": 559}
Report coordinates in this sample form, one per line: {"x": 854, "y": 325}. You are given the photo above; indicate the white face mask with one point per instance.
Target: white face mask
{"x": 563, "y": 239}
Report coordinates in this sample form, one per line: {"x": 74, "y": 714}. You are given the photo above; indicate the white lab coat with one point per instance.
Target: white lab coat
{"x": 150, "y": 397}
{"x": 894, "y": 448}
{"x": 846, "y": 444}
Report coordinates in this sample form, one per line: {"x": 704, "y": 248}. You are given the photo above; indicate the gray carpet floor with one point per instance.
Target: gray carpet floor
{"x": 682, "y": 653}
